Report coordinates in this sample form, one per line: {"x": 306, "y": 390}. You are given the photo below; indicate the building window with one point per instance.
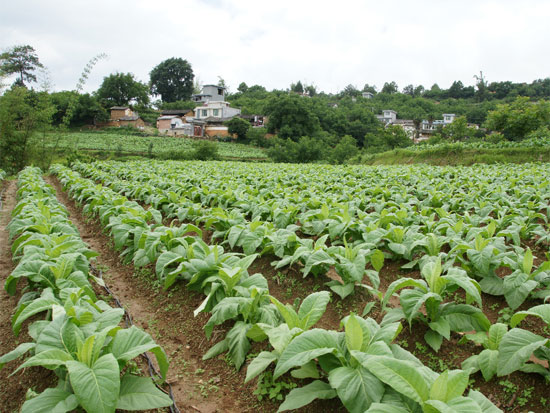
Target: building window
{"x": 205, "y": 113}
{"x": 216, "y": 112}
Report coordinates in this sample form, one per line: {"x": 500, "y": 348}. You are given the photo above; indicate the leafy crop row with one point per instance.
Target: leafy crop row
{"x": 463, "y": 227}
{"x": 141, "y": 144}
{"x": 482, "y": 242}
{"x": 359, "y": 365}
{"x": 79, "y": 338}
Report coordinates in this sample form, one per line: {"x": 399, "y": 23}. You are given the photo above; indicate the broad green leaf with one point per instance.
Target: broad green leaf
{"x": 140, "y": 393}
{"x": 342, "y": 290}
{"x": 496, "y": 332}
{"x": 377, "y": 260}
{"x": 354, "y": 333}
{"x": 434, "y": 339}
{"x": 307, "y": 371}
{"x": 302, "y": 396}
{"x": 51, "y": 401}
{"x": 97, "y": 387}
{"x": 442, "y": 327}
{"x": 483, "y": 402}
{"x": 313, "y": 307}
{"x": 130, "y": 343}
{"x": 488, "y": 363}
{"x": 37, "y": 306}
{"x": 50, "y": 359}
{"x": 357, "y": 388}
{"x": 515, "y": 348}
{"x": 385, "y": 408}
{"x": 259, "y": 364}
{"x": 305, "y": 347}
{"x": 402, "y": 283}
{"x": 238, "y": 343}
{"x": 401, "y": 375}
{"x": 412, "y": 300}
{"x": 459, "y": 277}
{"x": 516, "y": 295}
{"x": 457, "y": 405}
{"x": 16, "y": 353}
{"x": 542, "y": 311}
{"x": 449, "y": 385}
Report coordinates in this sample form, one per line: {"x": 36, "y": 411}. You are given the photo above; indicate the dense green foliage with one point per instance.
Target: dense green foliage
{"x": 172, "y": 79}
{"x": 79, "y": 338}
{"x": 460, "y": 226}
{"x": 20, "y": 60}
{"x": 132, "y": 142}
{"x": 121, "y": 89}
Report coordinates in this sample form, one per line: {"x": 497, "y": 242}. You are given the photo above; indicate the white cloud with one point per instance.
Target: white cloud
{"x": 331, "y": 44}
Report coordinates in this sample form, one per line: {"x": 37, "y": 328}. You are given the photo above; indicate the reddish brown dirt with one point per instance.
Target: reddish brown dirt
{"x": 13, "y": 389}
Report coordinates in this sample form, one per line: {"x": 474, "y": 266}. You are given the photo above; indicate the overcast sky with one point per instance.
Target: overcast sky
{"x": 329, "y": 44}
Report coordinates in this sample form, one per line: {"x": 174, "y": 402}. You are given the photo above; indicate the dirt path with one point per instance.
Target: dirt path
{"x": 199, "y": 386}
{"x": 13, "y": 389}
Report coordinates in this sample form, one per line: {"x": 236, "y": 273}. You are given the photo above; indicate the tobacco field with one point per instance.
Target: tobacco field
{"x": 276, "y": 287}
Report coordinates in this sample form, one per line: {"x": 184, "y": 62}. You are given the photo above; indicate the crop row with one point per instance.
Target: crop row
{"x": 535, "y": 142}
{"x": 360, "y": 365}
{"x": 482, "y": 244}
{"x": 142, "y": 144}
{"x": 79, "y": 337}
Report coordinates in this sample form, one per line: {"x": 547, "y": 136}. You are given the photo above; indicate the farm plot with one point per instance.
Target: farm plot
{"x": 79, "y": 337}
{"x": 463, "y": 228}
{"x": 142, "y": 145}
{"x": 439, "y": 265}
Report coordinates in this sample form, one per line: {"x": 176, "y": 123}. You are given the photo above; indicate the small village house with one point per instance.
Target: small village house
{"x": 124, "y": 116}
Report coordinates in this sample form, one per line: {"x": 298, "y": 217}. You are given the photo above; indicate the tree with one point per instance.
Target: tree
{"x": 172, "y": 79}
{"x": 243, "y": 87}
{"x": 482, "y": 92}
{"x": 350, "y": 90}
{"x": 297, "y": 87}
{"x": 122, "y": 89}
{"x": 20, "y": 60}
{"x": 22, "y": 112}
{"x": 345, "y": 149}
{"x": 390, "y": 88}
{"x": 458, "y": 130}
{"x": 369, "y": 88}
{"x": 455, "y": 91}
{"x": 290, "y": 117}
{"x": 238, "y": 126}
{"x": 311, "y": 90}
{"x": 408, "y": 90}
{"x": 519, "y": 118}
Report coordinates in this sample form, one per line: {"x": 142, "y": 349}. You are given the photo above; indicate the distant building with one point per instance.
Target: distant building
{"x": 206, "y": 120}
{"x": 180, "y": 123}
{"x": 367, "y": 95}
{"x": 210, "y": 93}
{"x": 124, "y": 116}
{"x": 388, "y": 116}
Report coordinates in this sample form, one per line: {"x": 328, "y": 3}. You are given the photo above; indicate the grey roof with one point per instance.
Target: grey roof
{"x": 167, "y": 117}
{"x": 119, "y": 108}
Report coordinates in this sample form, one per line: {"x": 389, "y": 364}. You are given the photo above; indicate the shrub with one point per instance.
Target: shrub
{"x": 344, "y": 150}
{"x": 307, "y": 149}
{"x": 205, "y": 151}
